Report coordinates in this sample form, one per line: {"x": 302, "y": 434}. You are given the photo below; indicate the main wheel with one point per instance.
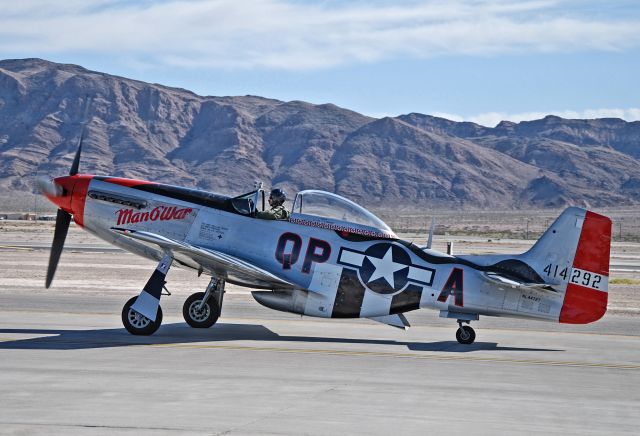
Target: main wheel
{"x": 138, "y": 324}
{"x": 200, "y": 318}
{"x": 466, "y": 335}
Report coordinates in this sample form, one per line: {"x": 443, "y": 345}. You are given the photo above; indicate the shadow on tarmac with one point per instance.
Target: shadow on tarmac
{"x": 180, "y": 333}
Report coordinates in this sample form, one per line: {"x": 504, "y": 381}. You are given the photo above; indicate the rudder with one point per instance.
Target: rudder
{"x": 587, "y": 292}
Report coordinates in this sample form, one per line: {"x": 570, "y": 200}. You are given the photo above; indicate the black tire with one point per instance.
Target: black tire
{"x": 204, "y": 318}
{"x": 466, "y": 335}
{"x": 137, "y": 324}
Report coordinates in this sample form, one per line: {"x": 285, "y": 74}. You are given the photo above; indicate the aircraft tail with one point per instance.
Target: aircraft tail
{"x": 573, "y": 254}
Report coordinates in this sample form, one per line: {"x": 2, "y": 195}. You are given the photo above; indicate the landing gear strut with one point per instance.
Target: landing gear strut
{"x": 142, "y": 315}
{"x": 202, "y": 309}
{"x": 465, "y": 334}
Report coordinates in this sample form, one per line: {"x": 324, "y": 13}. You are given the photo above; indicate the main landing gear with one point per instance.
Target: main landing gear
{"x": 202, "y": 309}
{"x": 465, "y": 334}
{"x": 142, "y": 315}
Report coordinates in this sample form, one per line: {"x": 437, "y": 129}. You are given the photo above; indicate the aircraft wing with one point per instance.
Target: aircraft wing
{"x": 231, "y": 268}
{"x": 500, "y": 279}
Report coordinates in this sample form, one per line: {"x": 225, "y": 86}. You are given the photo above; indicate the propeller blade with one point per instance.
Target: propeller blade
{"x": 76, "y": 160}
{"x": 63, "y": 219}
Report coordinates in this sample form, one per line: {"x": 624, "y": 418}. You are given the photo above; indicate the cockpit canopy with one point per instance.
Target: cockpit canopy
{"x": 322, "y": 204}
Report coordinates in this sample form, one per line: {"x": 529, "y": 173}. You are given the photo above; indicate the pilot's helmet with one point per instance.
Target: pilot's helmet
{"x": 277, "y": 196}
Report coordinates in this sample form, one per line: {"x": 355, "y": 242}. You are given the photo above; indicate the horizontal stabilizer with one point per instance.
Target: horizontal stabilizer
{"x": 494, "y": 277}
{"x": 398, "y": 320}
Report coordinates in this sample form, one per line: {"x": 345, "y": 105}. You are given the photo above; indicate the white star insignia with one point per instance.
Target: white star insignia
{"x": 385, "y": 268}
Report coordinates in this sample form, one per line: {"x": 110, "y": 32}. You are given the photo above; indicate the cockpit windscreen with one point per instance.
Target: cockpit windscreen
{"x": 328, "y": 205}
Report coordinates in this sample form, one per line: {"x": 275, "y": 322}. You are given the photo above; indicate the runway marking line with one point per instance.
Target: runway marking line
{"x": 400, "y": 355}
{"x": 13, "y": 247}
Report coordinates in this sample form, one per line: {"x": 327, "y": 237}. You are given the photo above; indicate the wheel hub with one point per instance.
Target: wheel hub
{"x": 198, "y": 314}
{"x": 137, "y": 320}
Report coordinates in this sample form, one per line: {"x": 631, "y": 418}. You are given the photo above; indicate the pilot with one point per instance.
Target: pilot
{"x": 277, "y": 211}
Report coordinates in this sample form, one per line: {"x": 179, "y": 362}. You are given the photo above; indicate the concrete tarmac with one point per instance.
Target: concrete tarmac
{"x": 77, "y": 371}
{"x": 67, "y": 366}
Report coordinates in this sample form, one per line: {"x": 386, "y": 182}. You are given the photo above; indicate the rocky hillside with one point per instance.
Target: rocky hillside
{"x": 224, "y": 144}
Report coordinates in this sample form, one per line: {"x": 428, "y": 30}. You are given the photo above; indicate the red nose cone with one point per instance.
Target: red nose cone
{"x": 63, "y": 200}
{"x": 73, "y": 194}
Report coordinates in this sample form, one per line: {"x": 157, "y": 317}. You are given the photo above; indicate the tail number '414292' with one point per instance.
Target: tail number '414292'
{"x": 576, "y": 276}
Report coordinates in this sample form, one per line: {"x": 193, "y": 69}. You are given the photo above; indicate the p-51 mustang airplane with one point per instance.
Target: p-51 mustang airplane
{"x": 331, "y": 258}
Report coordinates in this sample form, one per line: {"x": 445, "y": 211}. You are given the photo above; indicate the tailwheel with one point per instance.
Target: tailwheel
{"x": 200, "y": 314}
{"x": 138, "y": 324}
{"x": 465, "y": 334}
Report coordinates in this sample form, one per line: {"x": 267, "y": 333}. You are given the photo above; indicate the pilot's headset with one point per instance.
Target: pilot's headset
{"x": 277, "y": 196}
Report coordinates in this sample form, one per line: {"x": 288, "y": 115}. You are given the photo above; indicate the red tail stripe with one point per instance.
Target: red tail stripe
{"x": 595, "y": 241}
{"x": 581, "y": 304}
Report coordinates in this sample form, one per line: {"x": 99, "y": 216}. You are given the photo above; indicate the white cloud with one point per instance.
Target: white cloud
{"x": 490, "y": 119}
{"x": 290, "y": 34}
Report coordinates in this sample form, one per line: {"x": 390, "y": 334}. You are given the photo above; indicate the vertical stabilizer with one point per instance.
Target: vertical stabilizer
{"x": 574, "y": 254}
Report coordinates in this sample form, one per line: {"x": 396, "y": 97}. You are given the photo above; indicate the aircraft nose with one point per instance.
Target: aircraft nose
{"x": 69, "y": 193}
{"x": 59, "y": 191}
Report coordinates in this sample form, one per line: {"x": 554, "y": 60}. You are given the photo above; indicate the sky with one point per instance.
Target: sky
{"x": 482, "y": 61}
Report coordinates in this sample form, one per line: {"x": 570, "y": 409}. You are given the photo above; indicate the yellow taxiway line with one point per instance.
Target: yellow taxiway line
{"x": 13, "y": 247}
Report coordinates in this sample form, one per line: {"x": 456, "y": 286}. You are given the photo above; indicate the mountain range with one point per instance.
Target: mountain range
{"x": 224, "y": 144}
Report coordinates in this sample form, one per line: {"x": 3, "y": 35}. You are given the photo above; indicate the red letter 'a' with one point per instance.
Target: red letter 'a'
{"x": 453, "y": 286}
